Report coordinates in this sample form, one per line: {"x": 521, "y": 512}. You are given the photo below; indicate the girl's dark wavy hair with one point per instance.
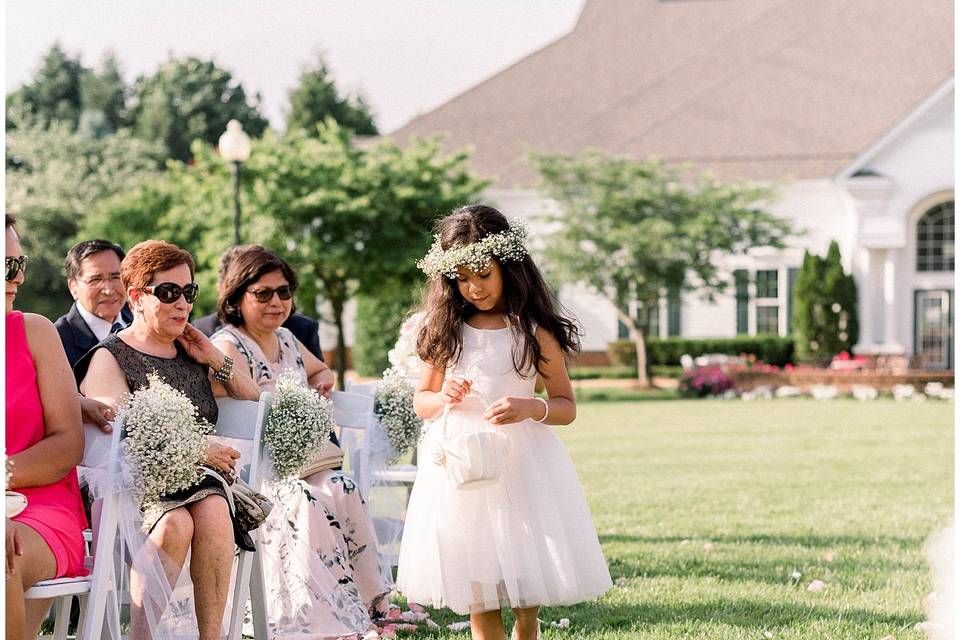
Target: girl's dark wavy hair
{"x": 528, "y": 302}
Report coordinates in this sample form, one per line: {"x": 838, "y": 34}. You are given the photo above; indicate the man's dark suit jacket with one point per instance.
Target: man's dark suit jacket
{"x": 76, "y": 336}
{"x": 303, "y": 329}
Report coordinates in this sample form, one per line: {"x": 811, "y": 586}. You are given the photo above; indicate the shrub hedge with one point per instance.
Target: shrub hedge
{"x": 667, "y": 351}
{"x": 378, "y": 326}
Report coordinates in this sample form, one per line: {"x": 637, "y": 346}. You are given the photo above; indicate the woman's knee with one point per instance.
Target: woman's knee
{"x": 175, "y": 526}
{"x": 211, "y": 515}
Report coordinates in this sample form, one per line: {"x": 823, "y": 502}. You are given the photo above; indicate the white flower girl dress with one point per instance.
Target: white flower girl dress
{"x": 526, "y": 539}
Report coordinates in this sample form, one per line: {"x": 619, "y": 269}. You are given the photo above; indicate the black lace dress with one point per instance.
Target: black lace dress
{"x": 186, "y": 375}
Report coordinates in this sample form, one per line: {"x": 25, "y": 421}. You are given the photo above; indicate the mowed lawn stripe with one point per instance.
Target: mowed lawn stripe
{"x": 839, "y": 491}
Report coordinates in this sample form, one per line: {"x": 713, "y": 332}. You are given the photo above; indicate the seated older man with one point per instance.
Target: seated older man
{"x": 93, "y": 276}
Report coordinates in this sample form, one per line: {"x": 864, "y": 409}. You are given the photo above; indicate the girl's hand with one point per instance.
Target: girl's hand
{"x": 221, "y": 457}
{"x": 508, "y": 410}
{"x": 98, "y": 413}
{"x": 199, "y": 347}
{"x": 454, "y": 390}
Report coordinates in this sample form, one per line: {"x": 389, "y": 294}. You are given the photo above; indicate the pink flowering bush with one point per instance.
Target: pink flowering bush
{"x": 845, "y": 362}
{"x": 705, "y": 381}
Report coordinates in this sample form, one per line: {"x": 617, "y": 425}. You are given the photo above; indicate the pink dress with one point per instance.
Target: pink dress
{"x": 54, "y": 510}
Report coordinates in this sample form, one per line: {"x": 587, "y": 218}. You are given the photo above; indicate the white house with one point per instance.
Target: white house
{"x": 847, "y": 105}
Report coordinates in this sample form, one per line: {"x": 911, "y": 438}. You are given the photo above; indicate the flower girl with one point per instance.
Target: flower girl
{"x": 497, "y": 516}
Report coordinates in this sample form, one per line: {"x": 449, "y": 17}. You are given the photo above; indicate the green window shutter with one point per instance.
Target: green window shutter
{"x": 791, "y": 281}
{"x": 673, "y": 313}
{"x": 648, "y": 317}
{"x": 741, "y": 281}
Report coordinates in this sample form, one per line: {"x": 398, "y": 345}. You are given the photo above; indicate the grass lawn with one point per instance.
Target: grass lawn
{"x": 840, "y": 491}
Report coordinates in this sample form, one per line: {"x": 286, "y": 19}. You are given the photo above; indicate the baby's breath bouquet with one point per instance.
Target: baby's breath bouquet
{"x": 164, "y": 438}
{"x": 299, "y": 424}
{"x": 393, "y": 404}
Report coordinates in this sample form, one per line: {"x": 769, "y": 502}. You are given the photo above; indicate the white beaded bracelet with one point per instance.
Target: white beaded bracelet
{"x": 546, "y": 410}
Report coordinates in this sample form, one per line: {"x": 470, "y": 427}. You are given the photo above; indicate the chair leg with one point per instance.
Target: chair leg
{"x": 83, "y": 616}
{"x": 61, "y": 623}
{"x": 241, "y": 589}
{"x": 258, "y": 605}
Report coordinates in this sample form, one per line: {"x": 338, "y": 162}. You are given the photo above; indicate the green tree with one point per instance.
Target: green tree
{"x": 190, "y": 205}
{"x": 377, "y": 326}
{"x": 354, "y": 220}
{"x": 53, "y": 95}
{"x": 632, "y": 230}
{"x": 824, "y": 308}
{"x": 54, "y": 177}
{"x": 191, "y": 99}
{"x": 316, "y": 98}
{"x": 351, "y": 221}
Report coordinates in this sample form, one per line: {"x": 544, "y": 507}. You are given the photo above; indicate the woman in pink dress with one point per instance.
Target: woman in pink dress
{"x": 45, "y": 443}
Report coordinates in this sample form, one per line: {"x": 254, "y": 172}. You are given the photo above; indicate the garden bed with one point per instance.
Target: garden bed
{"x": 843, "y": 380}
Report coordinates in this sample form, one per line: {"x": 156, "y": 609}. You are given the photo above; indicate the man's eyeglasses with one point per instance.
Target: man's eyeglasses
{"x": 99, "y": 281}
{"x": 168, "y": 292}
{"x": 264, "y": 296}
{"x": 15, "y": 266}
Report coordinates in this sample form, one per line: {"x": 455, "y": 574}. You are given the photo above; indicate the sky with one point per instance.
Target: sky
{"x": 405, "y": 56}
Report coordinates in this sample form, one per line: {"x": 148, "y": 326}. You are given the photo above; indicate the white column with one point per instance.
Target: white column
{"x": 867, "y": 295}
{"x": 889, "y": 299}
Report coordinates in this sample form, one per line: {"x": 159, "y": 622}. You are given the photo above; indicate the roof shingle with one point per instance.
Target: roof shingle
{"x": 748, "y": 89}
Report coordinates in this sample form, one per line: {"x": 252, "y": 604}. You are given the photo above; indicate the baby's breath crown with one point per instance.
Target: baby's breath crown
{"x": 506, "y": 246}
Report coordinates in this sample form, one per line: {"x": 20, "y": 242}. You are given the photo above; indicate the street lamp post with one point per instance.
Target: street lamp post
{"x": 234, "y": 147}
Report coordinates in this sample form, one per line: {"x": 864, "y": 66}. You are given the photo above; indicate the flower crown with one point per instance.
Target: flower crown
{"x": 508, "y": 245}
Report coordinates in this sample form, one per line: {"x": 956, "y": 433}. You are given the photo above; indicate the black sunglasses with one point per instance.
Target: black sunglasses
{"x": 168, "y": 292}
{"x": 16, "y": 265}
{"x": 266, "y": 295}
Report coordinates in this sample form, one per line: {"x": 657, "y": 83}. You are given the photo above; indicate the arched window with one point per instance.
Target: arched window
{"x": 935, "y": 239}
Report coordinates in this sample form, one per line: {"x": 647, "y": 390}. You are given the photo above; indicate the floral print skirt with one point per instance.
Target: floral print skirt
{"x": 322, "y": 571}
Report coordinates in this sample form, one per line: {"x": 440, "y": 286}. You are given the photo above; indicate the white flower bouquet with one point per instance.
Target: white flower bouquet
{"x": 393, "y": 404}
{"x": 299, "y": 424}
{"x": 164, "y": 438}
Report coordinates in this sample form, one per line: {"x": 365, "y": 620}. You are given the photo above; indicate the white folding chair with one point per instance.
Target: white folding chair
{"x": 353, "y": 411}
{"x": 97, "y": 592}
{"x": 399, "y": 474}
{"x": 245, "y": 420}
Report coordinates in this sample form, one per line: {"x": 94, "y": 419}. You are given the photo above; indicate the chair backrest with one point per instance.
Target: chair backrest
{"x": 353, "y": 413}
{"x": 101, "y": 455}
{"x": 352, "y": 410}
{"x": 363, "y": 388}
{"x": 244, "y": 420}
{"x": 98, "y": 445}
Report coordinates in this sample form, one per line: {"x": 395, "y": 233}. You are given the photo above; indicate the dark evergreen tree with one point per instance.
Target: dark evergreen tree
{"x": 191, "y": 99}
{"x": 824, "y": 308}
{"x": 52, "y": 96}
{"x": 316, "y": 97}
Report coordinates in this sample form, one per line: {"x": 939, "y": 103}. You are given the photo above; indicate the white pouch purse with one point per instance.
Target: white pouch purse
{"x": 470, "y": 449}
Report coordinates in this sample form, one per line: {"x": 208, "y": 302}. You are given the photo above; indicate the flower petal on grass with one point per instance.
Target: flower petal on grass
{"x": 817, "y": 585}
